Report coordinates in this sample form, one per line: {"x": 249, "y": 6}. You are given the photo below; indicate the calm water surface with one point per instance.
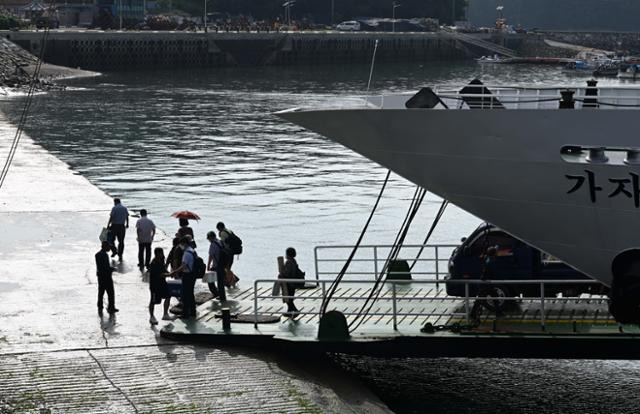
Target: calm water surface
{"x": 207, "y": 141}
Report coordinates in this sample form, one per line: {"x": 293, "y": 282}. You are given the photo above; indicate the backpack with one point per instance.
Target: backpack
{"x": 234, "y": 243}
{"x": 199, "y": 268}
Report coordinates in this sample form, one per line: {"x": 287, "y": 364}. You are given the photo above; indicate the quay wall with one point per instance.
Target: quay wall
{"x": 612, "y": 41}
{"x": 108, "y": 51}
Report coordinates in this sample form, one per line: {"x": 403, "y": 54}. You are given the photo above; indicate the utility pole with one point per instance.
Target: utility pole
{"x": 332, "y": 12}
{"x": 453, "y": 12}
{"x": 393, "y": 14}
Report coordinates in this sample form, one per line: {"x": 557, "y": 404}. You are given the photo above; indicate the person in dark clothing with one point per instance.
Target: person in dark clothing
{"x": 186, "y": 272}
{"x": 158, "y": 286}
{"x": 104, "y": 272}
{"x": 185, "y": 230}
{"x": 217, "y": 263}
{"x": 291, "y": 271}
{"x": 174, "y": 258}
{"x": 118, "y": 223}
{"x": 223, "y": 233}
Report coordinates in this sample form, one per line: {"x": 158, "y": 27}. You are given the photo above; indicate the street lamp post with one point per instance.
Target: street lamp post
{"x": 393, "y": 13}
{"x": 332, "y": 12}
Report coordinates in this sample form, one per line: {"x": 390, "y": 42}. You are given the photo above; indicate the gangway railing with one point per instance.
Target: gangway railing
{"x": 430, "y": 260}
{"x": 396, "y": 293}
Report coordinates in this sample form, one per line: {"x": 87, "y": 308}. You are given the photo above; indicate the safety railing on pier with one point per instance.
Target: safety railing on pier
{"x": 423, "y": 306}
{"x": 427, "y": 261}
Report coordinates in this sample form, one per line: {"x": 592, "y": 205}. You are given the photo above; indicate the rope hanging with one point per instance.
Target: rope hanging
{"x": 25, "y": 110}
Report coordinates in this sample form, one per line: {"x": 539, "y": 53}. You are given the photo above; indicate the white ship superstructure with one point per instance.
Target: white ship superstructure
{"x": 556, "y": 167}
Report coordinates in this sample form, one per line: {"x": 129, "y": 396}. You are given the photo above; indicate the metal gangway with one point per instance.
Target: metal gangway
{"x": 423, "y": 300}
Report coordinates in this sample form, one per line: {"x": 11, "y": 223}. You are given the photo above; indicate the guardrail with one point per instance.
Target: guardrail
{"x": 394, "y": 286}
{"x": 430, "y": 260}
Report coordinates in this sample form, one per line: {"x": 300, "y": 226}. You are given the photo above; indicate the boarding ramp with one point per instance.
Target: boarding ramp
{"x": 411, "y": 318}
{"x": 490, "y": 47}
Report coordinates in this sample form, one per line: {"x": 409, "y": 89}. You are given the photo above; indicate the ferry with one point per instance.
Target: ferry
{"x": 557, "y": 167}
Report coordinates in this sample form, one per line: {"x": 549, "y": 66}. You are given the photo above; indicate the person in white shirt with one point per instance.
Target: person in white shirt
{"x": 146, "y": 231}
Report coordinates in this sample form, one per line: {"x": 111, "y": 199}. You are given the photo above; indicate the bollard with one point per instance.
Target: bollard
{"x": 226, "y": 319}
{"x": 592, "y": 93}
{"x": 567, "y": 101}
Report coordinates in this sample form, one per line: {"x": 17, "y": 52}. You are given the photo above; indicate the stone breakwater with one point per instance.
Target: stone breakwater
{"x": 13, "y": 63}
{"x": 17, "y": 66}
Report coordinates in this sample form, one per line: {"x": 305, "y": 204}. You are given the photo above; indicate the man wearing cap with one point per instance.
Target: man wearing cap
{"x": 186, "y": 272}
{"x": 119, "y": 222}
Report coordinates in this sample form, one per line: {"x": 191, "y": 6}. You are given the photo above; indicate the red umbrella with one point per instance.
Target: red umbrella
{"x": 186, "y": 214}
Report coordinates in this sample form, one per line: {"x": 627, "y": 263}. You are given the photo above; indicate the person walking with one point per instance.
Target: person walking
{"x": 146, "y": 230}
{"x": 217, "y": 263}
{"x": 291, "y": 271}
{"x": 118, "y": 223}
{"x": 186, "y": 272}
{"x": 225, "y": 237}
{"x": 158, "y": 286}
{"x": 104, "y": 273}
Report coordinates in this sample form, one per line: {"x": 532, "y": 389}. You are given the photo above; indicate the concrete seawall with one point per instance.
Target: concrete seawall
{"x": 97, "y": 50}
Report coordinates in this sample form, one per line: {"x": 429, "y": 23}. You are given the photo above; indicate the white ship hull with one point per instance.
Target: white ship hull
{"x": 506, "y": 167}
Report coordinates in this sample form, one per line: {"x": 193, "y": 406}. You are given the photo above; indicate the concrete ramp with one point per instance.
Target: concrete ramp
{"x": 490, "y": 47}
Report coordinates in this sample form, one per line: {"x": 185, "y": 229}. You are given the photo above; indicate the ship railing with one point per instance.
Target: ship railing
{"x": 428, "y": 261}
{"x": 397, "y": 293}
{"x": 512, "y": 97}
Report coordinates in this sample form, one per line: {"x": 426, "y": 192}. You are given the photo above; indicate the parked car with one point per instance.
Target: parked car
{"x": 511, "y": 259}
{"x": 349, "y": 26}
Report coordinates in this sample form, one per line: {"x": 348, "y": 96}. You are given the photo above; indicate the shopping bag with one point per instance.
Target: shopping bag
{"x": 230, "y": 278}
{"x": 103, "y": 234}
{"x": 209, "y": 277}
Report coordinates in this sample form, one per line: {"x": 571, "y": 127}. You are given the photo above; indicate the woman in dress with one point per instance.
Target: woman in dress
{"x": 158, "y": 286}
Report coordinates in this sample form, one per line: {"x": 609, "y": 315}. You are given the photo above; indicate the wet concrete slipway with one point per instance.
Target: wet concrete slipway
{"x": 58, "y": 356}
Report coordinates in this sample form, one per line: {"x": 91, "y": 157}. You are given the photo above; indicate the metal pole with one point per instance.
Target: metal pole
{"x": 255, "y": 304}
{"x": 120, "y": 7}
{"x": 437, "y": 269}
{"x": 332, "y": 12}
{"x": 205, "y": 16}
{"x": 466, "y": 301}
{"x": 375, "y": 261}
{"x": 542, "y": 305}
{"x": 393, "y": 295}
{"x": 393, "y": 22}
{"x": 453, "y": 12}
{"x": 315, "y": 256}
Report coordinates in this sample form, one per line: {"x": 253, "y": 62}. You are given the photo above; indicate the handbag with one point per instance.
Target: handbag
{"x": 103, "y": 234}
{"x": 275, "y": 290}
{"x": 230, "y": 278}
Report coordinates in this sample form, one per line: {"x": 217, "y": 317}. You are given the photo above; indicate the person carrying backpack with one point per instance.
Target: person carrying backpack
{"x": 230, "y": 240}
{"x": 218, "y": 263}
{"x": 192, "y": 268}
